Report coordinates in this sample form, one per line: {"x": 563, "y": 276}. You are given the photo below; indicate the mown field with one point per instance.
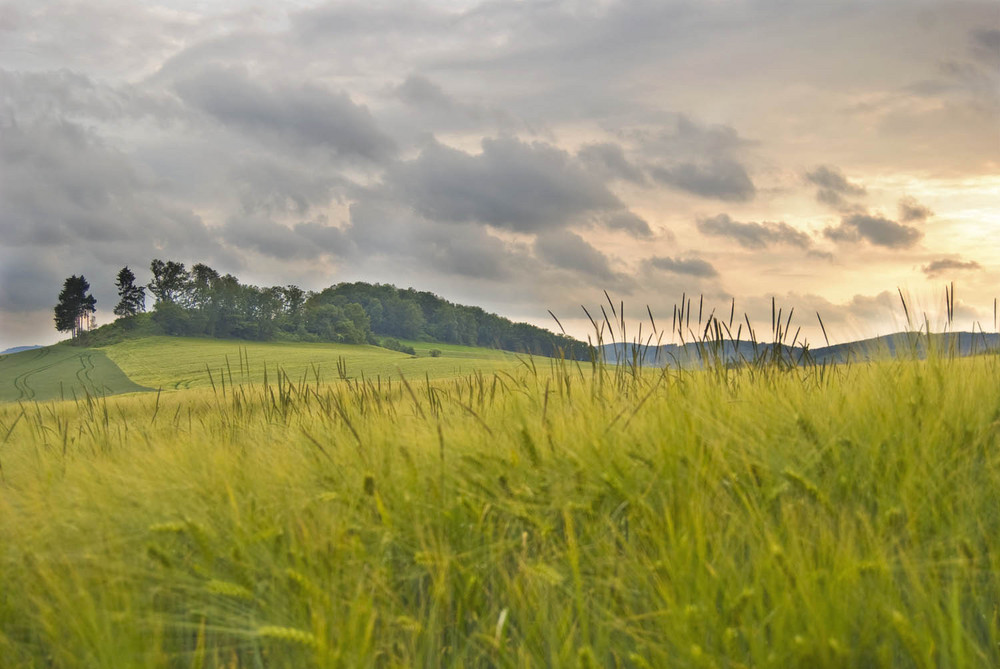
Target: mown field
{"x": 542, "y": 515}
{"x": 61, "y": 372}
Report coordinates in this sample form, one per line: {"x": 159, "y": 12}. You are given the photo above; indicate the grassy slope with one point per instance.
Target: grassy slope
{"x": 839, "y": 518}
{"x": 60, "y": 371}
{"x": 182, "y": 362}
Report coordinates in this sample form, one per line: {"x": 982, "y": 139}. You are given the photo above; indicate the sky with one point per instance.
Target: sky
{"x": 521, "y": 156}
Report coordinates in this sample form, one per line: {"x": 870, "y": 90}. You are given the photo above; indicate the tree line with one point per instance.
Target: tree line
{"x": 199, "y": 301}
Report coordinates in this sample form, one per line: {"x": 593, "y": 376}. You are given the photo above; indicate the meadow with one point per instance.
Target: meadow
{"x": 539, "y": 514}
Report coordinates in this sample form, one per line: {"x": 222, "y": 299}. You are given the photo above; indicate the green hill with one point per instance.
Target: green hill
{"x": 61, "y": 371}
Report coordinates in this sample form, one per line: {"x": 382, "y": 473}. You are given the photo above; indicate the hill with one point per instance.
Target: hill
{"x": 729, "y": 351}
{"x": 201, "y": 303}
{"x": 18, "y": 349}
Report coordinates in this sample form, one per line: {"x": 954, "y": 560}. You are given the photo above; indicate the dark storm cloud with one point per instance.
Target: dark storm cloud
{"x": 305, "y": 115}
{"x": 570, "y": 251}
{"x": 725, "y": 180}
{"x": 946, "y": 264}
{"x": 609, "y": 161}
{"x": 753, "y": 235}
{"x": 911, "y": 210}
{"x": 874, "y": 229}
{"x": 511, "y": 184}
{"x": 695, "y": 267}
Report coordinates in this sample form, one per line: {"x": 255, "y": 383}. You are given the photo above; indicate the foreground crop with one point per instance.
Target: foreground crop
{"x": 565, "y": 516}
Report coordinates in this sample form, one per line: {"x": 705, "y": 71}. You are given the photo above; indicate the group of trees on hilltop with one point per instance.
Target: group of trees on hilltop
{"x": 202, "y": 302}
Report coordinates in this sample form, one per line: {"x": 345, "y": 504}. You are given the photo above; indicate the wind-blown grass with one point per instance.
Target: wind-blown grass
{"x": 556, "y": 515}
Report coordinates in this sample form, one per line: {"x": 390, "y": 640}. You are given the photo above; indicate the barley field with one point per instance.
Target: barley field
{"x": 544, "y": 514}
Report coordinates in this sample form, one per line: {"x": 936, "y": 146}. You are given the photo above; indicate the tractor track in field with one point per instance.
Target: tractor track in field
{"x": 25, "y": 391}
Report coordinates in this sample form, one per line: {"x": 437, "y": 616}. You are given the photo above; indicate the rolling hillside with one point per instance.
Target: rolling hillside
{"x": 728, "y": 351}
{"x": 175, "y": 363}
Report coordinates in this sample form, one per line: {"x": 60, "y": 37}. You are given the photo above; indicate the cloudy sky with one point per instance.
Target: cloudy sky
{"x": 523, "y": 156}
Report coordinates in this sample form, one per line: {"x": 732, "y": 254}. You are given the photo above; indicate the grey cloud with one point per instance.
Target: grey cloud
{"x": 986, "y": 45}
{"x": 271, "y": 187}
{"x": 511, "y": 184}
{"x": 65, "y": 94}
{"x": 303, "y": 241}
{"x": 418, "y": 90}
{"x": 753, "y": 235}
{"x": 630, "y": 223}
{"x": 699, "y": 159}
{"x": 692, "y": 138}
{"x": 608, "y": 160}
{"x": 62, "y": 186}
{"x": 408, "y": 240}
{"x": 29, "y": 281}
{"x": 305, "y": 115}
{"x": 570, "y": 251}
{"x": 325, "y": 238}
{"x": 911, "y": 210}
{"x": 946, "y": 264}
{"x": 268, "y": 238}
{"x": 832, "y": 179}
{"x": 695, "y": 267}
{"x": 876, "y": 230}
{"x": 835, "y": 200}
{"x": 722, "y": 179}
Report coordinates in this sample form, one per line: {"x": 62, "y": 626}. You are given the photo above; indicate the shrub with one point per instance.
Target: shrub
{"x": 395, "y": 345}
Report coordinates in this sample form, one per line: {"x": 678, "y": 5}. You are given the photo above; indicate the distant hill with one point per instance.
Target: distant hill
{"x": 19, "y": 349}
{"x": 732, "y": 352}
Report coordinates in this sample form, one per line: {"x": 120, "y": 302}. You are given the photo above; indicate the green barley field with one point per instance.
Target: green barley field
{"x": 502, "y": 512}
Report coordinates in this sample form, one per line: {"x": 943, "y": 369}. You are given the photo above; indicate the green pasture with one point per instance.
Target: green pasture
{"x": 556, "y": 516}
{"x": 61, "y": 371}
{"x": 182, "y": 362}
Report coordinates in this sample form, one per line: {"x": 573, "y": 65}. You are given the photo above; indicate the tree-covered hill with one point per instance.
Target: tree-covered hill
{"x": 201, "y": 302}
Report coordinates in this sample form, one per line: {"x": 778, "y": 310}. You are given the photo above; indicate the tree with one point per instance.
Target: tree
{"x": 75, "y": 306}
{"x": 169, "y": 279}
{"x": 133, "y": 297}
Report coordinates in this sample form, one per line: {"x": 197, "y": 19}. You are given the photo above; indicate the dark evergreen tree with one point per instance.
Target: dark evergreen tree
{"x": 75, "y": 306}
{"x": 132, "y": 297}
